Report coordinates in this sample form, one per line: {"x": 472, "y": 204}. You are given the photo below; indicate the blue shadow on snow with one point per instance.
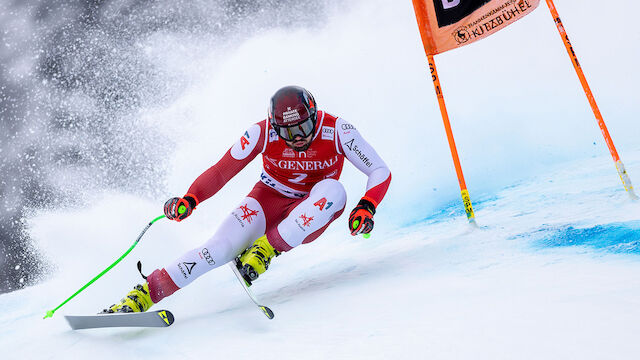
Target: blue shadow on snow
{"x": 621, "y": 237}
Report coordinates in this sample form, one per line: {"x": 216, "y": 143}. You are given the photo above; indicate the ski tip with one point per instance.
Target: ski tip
{"x": 166, "y": 316}
{"x": 267, "y": 312}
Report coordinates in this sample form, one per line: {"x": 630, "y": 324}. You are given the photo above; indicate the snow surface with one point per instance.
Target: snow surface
{"x": 552, "y": 272}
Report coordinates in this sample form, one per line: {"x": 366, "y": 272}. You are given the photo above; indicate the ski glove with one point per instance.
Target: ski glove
{"x": 179, "y": 209}
{"x": 361, "y": 217}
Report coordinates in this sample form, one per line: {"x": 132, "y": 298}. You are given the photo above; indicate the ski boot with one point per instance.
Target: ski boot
{"x": 137, "y": 300}
{"x": 255, "y": 259}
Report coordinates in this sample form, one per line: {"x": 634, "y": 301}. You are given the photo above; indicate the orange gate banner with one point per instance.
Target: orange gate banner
{"x": 450, "y": 24}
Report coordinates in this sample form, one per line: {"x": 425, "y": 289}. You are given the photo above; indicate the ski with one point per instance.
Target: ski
{"x": 267, "y": 312}
{"x": 158, "y": 318}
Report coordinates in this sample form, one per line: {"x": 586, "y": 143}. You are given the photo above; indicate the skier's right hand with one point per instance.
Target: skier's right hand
{"x": 179, "y": 209}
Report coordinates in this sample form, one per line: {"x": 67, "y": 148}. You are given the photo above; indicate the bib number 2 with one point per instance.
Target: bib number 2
{"x": 300, "y": 177}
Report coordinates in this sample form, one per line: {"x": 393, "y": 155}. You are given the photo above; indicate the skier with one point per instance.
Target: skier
{"x": 297, "y": 197}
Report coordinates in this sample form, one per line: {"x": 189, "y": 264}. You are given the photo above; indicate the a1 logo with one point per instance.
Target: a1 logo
{"x": 323, "y": 204}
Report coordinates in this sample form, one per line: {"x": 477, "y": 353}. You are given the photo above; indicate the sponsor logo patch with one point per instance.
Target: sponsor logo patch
{"x": 290, "y": 115}
{"x": 207, "y": 256}
{"x": 247, "y": 142}
{"x": 461, "y": 35}
{"x": 289, "y": 153}
{"x": 327, "y": 133}
{"x": 190, "y": 266}
{"x": 163, "y": 316}
{"x": 248, "y": 214}
{"x": 244, "y": 141}
{"x": 303, "y": 165}
{"x": 306, "y": 221}
{"x": 307, "y": 154}
{"x": 273, "y": 135}
{"x": 186, "y": 267}
{"x": 354, "y": 148}
{"x": 321, "y": 203}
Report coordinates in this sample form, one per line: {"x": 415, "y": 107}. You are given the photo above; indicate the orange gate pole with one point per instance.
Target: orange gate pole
{"x": 466, "y": 199}
{"x": 626, "y": 181}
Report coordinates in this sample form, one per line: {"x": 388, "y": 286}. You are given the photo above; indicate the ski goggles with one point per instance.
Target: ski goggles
{"x": 303, "y": 129}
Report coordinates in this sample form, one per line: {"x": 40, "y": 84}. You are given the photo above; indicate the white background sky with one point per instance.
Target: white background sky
{"x": 515, "y": 103}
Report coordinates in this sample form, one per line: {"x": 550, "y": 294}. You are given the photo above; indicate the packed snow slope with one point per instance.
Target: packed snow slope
{"x": 551, "y": 273}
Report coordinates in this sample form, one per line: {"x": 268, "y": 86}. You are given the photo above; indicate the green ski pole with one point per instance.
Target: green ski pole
{"x": 51, "y": 312}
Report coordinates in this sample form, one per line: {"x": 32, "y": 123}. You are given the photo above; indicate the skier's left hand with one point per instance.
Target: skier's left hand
{"x": 361, "y": 217}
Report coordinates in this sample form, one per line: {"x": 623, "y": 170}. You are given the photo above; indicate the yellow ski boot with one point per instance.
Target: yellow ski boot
{"x": 255, "y": 260}
{"x": 137, "y": 300}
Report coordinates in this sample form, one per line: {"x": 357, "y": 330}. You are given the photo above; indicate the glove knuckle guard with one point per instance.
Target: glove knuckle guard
{"x": 173, "y": 205}
{"x": 170, "y": 209}
{"x": 362, "y": 215}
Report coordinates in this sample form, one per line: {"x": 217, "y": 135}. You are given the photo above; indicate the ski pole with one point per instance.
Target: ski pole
{"x": 622, "y": 172}
{"x": 50, "y": 313}
{"x": 464, "y": 192}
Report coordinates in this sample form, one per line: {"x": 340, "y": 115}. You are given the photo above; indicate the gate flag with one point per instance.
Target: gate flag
{"x": 450, "y": 24}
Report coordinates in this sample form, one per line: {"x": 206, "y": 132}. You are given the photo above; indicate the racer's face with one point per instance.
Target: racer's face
{"x": 299, "y": 143}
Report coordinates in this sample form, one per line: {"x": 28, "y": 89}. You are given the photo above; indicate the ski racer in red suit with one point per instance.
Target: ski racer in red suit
{"x": 298, "y": 195}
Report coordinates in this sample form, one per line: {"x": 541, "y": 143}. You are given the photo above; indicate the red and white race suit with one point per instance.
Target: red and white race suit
{"x": 296, "y": 199}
